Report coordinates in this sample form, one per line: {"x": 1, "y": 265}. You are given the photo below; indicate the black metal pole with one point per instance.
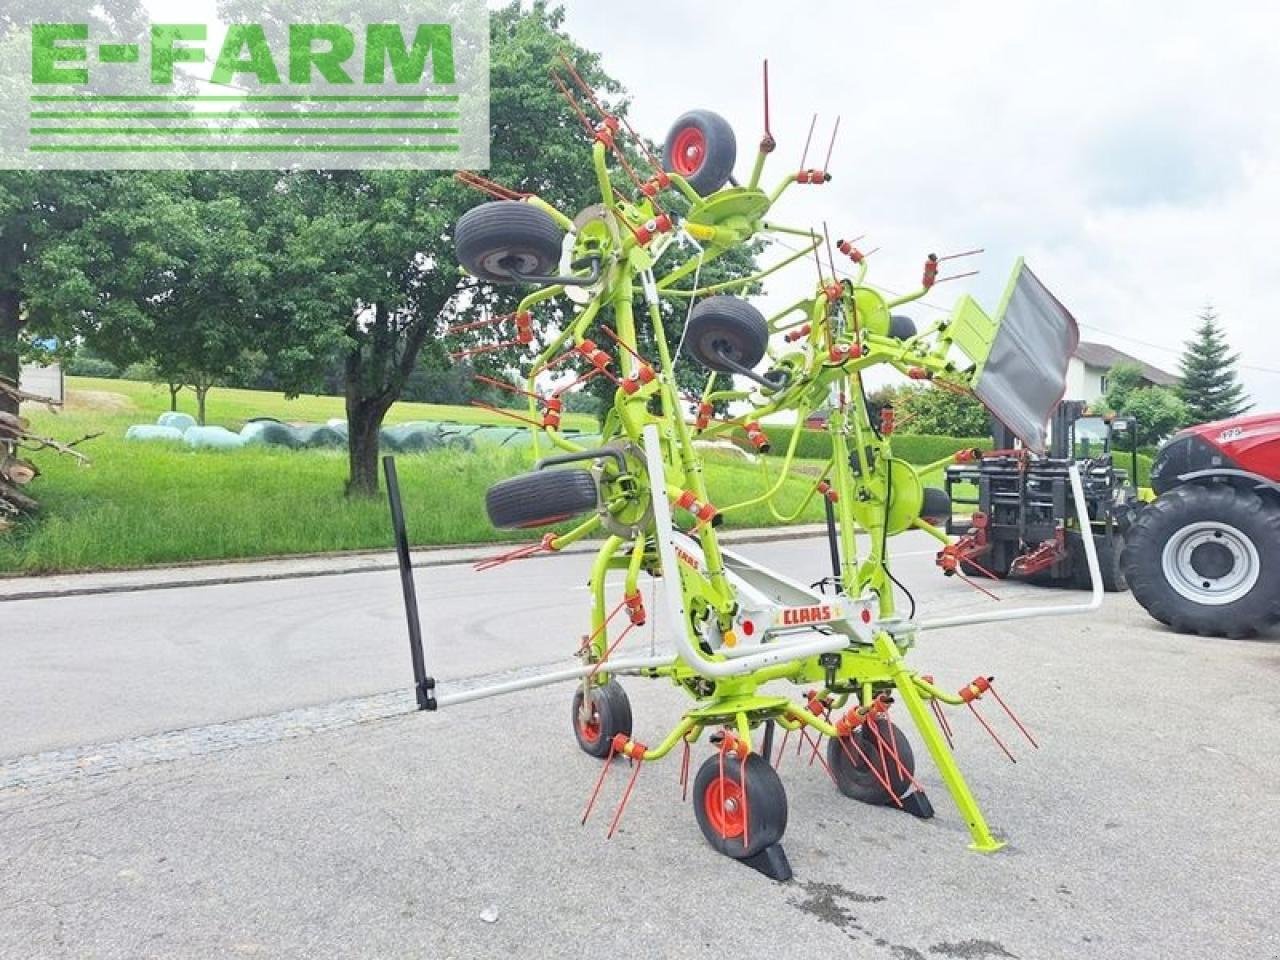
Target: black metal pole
{"x": 834, "y": 543}
{"x": 423, "y": 685}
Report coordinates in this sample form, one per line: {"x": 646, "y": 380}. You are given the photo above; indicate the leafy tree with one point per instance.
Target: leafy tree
{"x": 1122, "y": 380}
{"x": 198, "y": 330}
{"x": 1209, "y": 385}
{"x": 940, "y": 411}
{"x": 1158, "y": 410}
{"x": 79, "y": 253}
{"x": 39, "y": 208}
{"x": 365, "y": 268}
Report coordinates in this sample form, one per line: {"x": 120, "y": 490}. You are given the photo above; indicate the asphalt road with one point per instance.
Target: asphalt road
{"x": 231, "y": 771}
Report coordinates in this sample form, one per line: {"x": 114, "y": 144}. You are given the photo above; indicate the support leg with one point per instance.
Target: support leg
{"x": 983, "y": 840}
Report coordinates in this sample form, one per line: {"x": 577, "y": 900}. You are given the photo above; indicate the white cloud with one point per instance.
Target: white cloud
{"x": 1131, "y": 151}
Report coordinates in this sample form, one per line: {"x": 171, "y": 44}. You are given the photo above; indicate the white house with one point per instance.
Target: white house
{"x": 1087, "y": 371}
{"x": 43, "y": 381}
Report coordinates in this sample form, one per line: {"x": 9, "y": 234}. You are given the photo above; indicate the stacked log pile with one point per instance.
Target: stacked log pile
{"x": 16, "y": 471}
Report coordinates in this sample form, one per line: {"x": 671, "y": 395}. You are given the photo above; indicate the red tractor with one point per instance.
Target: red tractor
{"x": 1204, "y": 556}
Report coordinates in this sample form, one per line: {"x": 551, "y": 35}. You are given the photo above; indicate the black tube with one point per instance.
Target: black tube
{"x": 423, "y": 685}
{"x": 833, "y": 544}
{"x": 594, "y": 454}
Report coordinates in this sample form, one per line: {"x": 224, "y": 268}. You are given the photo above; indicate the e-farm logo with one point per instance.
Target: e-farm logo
{"x": 395, "y": 84}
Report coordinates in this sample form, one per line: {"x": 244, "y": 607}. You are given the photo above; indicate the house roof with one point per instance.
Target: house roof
{"x": 1106, "y": 357}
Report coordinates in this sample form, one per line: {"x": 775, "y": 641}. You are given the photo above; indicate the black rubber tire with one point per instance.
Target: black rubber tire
{"x": 937, "y": 506}
{"x": 1254, "y": 518}
{"x": 492, "y": 239}
{"x": 901, "y": 327}
{"x": 611, "y": 715}
{"x": 853, "y": 777}
{"x": 730, "y": 324}
{"x": 766, "y": 804}
{"x": 1110, "y": 563}
{"x": 713, "y": 166}
{"x": 541, "y": 498}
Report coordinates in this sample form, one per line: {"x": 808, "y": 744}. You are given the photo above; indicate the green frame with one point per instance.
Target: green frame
{"x": 873, "y": 491}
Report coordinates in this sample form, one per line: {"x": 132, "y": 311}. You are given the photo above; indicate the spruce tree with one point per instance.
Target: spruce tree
{"x": 1209, "y": 386}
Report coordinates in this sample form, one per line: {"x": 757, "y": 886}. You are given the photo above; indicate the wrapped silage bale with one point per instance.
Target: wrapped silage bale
{"x": 212, "y": 438}
{"x": 338, "y": 425}
{"x": 320, "y": 437}
{"x": 182, "y": 422}
{"x": 269, "y": 431}
{"x": 418, "y": 436}
{"x": 456, "y": 440}
{"x": 152, "y": 432}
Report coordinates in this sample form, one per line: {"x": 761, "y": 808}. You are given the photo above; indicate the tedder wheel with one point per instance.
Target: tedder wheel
{"x": 610, "y": 716}
{"x": 901, "y": 327}
{"x": 854, "y": 778}
{"x": 937, "y": 506}
{"x": 721, "y": 327}
{"x": 541, "y": 498}
{"x": 701, "y": 148}
{"x": 1206, "y": 560}
{"x": 739, "y": 816}
{"x": 495, "y": 239}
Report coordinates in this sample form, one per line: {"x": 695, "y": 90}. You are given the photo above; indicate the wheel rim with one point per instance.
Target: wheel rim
{"x": 726, "y": 807}
{"x": 688, "y": 151}
{"x": 590, "y": 729}
{"x": 1211, "y": 563}
{"x": 505, "y": 263}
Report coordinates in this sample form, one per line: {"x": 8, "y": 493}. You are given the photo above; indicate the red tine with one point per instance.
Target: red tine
{"x": 626, "y": 795}
{"x": 807, "y": 140}
{"x": 604, "y": 771}
{"x": 986, "y": 726}
{"x": 826, "y": 166}
{"x": 1026, "y": 733}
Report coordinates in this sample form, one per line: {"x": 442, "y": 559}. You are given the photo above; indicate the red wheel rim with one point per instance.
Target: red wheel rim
{"x": 688, "y": 151}
{"x": 725, "y": 806}
{"x": 591, "y": 729}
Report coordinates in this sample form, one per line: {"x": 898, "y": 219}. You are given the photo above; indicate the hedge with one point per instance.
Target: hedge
{"x": 914, "y": 448}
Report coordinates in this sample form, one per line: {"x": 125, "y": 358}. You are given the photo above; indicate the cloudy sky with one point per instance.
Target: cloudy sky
{"x": 1130, "y": 151}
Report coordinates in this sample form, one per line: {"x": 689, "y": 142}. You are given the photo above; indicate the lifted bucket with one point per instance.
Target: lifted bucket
{"x": 1020, "y": 357}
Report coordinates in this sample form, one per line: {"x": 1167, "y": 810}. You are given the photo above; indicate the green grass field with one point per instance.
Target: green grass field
{"x": 143, "y": 504}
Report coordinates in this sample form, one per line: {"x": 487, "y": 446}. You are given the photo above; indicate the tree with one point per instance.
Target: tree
{"x": 1209, "y": 386}
{"x": 79, "y": 252}
{"x": 1158, "y": 410}
{"x": 940, "y": 411}
{"x": 364, "y": 267}
{"x": 39, "y": 208}
{"x": 197, "y": 330}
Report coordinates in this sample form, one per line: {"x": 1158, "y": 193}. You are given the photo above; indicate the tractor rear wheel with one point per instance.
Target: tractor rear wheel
{"x": 741, "y": 808}
{"x": 1206, "y": 560}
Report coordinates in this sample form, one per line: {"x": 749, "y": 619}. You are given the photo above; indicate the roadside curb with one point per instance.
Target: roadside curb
{"x": 297, "y": 568}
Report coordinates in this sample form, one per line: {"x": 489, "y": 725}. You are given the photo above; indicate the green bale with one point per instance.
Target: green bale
{"x": 149, "y": 433}
{"x": 270, "y": 432}
{"x": 212, "y": 438}
{"x": 418, "y": 436}
{"x": 182, "y": 422}
{"x": 313, "y": 437}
